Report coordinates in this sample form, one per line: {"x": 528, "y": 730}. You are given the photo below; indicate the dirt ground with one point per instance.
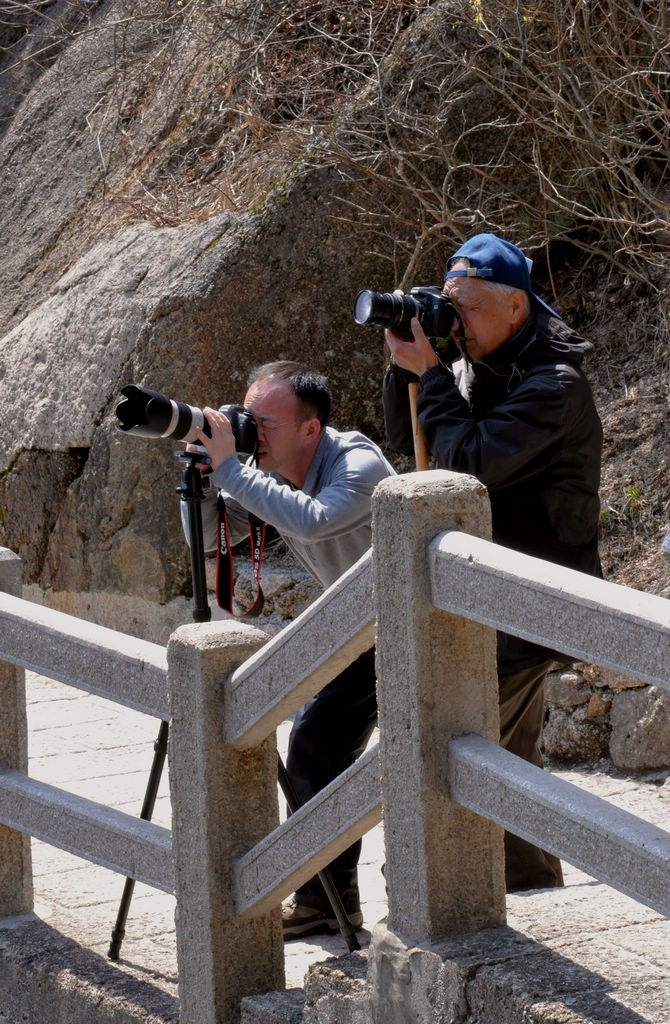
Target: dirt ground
{"x": 630, "y": 372}
{"x": 635, "y": 483}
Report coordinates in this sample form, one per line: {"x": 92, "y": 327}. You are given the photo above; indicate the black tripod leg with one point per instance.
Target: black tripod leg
{"x": 191, "y": 492}
{"x": 334, "y": 898}
{"x": 160, "y": 752}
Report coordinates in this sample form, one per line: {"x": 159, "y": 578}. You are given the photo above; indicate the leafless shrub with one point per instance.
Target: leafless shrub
{"x": 548, "y": 124}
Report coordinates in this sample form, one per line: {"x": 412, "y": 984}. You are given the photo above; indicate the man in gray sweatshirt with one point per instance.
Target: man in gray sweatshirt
{"x": 314, "y": 485}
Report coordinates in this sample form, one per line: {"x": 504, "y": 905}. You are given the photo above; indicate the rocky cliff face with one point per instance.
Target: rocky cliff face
{"x": 89, "y": 303}
{"x": 186, "y": 311}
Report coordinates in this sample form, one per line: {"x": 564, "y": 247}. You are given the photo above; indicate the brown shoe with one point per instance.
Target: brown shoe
{"x": 298, "y": 920}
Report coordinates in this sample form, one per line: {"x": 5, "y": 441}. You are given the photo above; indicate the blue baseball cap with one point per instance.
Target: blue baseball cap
{"x": 495, "y": 259}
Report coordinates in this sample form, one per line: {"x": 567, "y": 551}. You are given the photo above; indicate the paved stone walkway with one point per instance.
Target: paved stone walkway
{"x": 102, "y": 751}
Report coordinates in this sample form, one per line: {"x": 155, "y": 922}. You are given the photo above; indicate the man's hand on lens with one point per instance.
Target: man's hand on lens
{"x": 221, "y": 445}
{"x": 417, "y": 355}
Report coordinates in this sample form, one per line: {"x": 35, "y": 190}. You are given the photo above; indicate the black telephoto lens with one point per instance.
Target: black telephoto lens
{"x": 147, "y": 413}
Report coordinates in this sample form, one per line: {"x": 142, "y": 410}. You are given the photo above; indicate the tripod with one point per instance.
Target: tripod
{"x": 192, "y": 494}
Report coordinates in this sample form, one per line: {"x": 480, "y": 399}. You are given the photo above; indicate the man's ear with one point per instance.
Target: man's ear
{"x": 518, "y": 308}
{"x": 312, "y": 428}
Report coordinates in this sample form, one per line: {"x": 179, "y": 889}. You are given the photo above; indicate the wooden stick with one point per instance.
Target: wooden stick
{"x": 420, "y": 448}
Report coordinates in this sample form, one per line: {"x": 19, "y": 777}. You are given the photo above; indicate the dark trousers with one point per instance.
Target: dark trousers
{"x": 333, "y": 729}
{"x": 329, "y": 733}
{"x": 521, "y": 696}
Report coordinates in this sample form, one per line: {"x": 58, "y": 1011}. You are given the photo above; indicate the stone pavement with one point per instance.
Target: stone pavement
{"x": 99, "y": 750}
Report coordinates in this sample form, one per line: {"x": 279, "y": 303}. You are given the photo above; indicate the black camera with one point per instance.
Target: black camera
{"x": 429, "y": 305}
{"x": 148, "y": 413}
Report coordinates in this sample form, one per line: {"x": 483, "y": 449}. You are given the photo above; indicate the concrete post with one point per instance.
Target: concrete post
{"x": 223, "y": 802}
{"x": 16, "y": 873}
{"x": 436, "y": 679}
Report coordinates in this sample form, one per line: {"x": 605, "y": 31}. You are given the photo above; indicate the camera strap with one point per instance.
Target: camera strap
{"x": 225, "y": 569}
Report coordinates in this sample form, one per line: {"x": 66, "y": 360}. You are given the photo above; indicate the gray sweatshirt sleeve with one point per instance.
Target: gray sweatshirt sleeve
{"x": 342, "y": 504}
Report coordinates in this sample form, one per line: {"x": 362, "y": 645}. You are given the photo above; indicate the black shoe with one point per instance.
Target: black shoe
{"x": 299, "y": 920}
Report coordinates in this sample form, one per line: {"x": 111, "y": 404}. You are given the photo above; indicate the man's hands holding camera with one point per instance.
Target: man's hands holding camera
{"x": 220, "y": 446}
{"x": 417, "y": 354}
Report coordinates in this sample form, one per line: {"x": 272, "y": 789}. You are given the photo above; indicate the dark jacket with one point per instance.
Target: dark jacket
{"x": 524, "y": 423}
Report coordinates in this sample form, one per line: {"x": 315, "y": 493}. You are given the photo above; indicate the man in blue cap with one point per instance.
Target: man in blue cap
{"x": 515, "y": 410}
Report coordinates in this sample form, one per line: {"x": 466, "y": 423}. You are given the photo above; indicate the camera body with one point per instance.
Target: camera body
{"x": 147, "y": 413}
{"x": 428, "y": 304}
{"x": 243, "y": 426}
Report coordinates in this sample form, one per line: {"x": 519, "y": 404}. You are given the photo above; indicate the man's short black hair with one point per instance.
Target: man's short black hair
{"x": 309, "y": 387}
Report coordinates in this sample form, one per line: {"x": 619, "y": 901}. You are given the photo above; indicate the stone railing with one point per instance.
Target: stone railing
{"x": 441, "y": 592}
{"x": 447, "y": 790}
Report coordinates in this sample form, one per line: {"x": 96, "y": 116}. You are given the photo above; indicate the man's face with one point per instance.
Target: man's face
{"x": 489, "y": 318}
{"x": 283, "y": 442}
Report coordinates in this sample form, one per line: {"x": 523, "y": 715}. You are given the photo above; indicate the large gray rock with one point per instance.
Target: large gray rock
{"x": 87, "y": 305}
{"x": 183, "y": 310}
{"x": 640, "y": 729}
{"x": 571, "y": 735}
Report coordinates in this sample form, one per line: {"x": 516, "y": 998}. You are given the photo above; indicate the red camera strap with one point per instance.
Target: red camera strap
{"x": 225, "y": 569}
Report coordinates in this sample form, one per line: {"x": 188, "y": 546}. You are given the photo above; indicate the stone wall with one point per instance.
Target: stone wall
{"x": 595, "y": 713}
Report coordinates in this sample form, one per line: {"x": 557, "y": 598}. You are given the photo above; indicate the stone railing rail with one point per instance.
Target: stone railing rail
{"x": 447, "y": 790}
